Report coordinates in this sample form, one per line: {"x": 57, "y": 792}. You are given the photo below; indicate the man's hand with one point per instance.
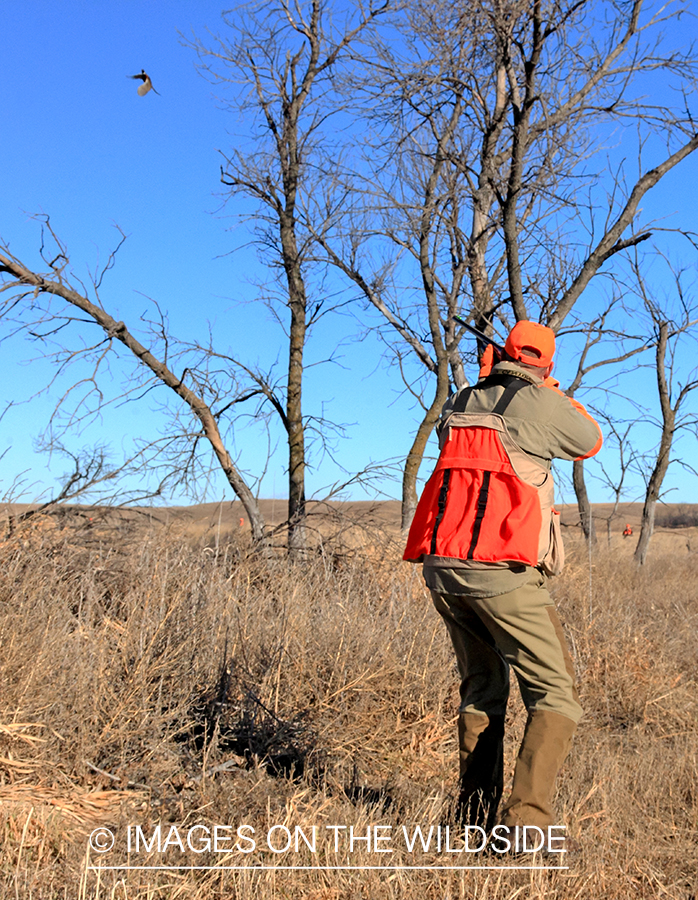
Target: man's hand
{"x": 489, "y": 358}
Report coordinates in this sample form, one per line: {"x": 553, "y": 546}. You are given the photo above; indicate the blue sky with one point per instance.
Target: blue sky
{"x": 83, "y": 147}
{"x": 80, "y": 145}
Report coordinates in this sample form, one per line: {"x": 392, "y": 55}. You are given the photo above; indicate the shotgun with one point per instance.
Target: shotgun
{"x": 481, "y": 337}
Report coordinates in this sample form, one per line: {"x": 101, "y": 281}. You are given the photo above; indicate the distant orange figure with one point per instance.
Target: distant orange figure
{"x": 242, "y": 522}
{"x": 628, "y": 530}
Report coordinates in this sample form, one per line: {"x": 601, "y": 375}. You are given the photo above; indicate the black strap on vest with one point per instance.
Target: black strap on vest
{"x": 480, "y": 514}
{"x": 512, "y": 384}
{"x": 443, "y": 494}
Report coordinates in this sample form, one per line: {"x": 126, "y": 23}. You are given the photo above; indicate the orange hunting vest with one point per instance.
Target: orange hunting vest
{"x": 487, "y": 501}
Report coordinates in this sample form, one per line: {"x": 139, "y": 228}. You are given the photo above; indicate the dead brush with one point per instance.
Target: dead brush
{"x": 168, "y": 683}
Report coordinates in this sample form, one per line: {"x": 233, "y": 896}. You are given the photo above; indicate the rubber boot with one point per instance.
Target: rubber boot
{"x": 544, "y": 748}
{"x": 481, "y": 750}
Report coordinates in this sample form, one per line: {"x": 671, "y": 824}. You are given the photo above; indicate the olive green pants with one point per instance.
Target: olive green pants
{"x": 519, "y": 630}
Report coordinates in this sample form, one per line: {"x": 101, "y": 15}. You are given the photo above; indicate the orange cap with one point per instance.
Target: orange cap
{"x": 531, "y": 343}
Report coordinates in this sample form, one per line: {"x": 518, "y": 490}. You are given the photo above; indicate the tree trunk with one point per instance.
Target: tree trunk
{"x": 294, "y": 408}
{"x": 416, "y": 454}
{"x": 290, "y": 158}
{"x": 646, "y": 531}
{"x": 662, "y": 464}
{"x": 585, "y": 512}
{"x": 652, "y": 495}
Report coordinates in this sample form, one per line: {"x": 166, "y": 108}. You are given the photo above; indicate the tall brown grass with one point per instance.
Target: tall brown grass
{"x": 148, "y": 679}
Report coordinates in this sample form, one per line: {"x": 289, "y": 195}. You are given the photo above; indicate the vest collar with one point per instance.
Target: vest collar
{"x": 510, "y": 368}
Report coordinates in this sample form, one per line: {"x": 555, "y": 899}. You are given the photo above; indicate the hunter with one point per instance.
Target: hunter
{"x": 489, "y": 538}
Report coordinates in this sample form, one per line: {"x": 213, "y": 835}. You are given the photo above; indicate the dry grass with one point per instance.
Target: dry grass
{"x": 150, "y": 679}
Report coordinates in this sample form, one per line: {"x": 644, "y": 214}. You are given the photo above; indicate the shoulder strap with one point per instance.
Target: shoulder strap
{"x": 510, "y": 389}
{"x": 511, "y": 383}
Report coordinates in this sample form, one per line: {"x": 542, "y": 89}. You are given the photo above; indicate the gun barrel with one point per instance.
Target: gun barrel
{"x": 481, "y": 336}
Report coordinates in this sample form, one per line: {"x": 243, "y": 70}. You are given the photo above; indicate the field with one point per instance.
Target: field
{"x": 154, "y": 672}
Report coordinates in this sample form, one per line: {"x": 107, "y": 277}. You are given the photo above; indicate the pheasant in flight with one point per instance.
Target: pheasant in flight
{"x": 147, "y": 84}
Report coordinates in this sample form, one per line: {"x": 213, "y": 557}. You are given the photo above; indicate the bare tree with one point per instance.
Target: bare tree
{"x": 671, "y": 399}
{"x": 90, "y": 471}
{"x": 597, "y": 335}
{"x": 25, "y": 289}
{"x": 626, "y": 459}
{"x": 487, "y": 120}
{"x": 411, "y": 208}
{"x": 281, "y": 59}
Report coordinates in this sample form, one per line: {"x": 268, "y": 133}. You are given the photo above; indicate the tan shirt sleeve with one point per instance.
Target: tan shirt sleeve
{"x": 578, "y": 435}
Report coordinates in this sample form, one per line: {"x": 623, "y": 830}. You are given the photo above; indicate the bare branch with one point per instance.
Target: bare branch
{"x": 118, "y": 330}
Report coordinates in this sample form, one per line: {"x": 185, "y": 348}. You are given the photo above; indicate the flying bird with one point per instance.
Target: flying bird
{"x": 147, "y": 84}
